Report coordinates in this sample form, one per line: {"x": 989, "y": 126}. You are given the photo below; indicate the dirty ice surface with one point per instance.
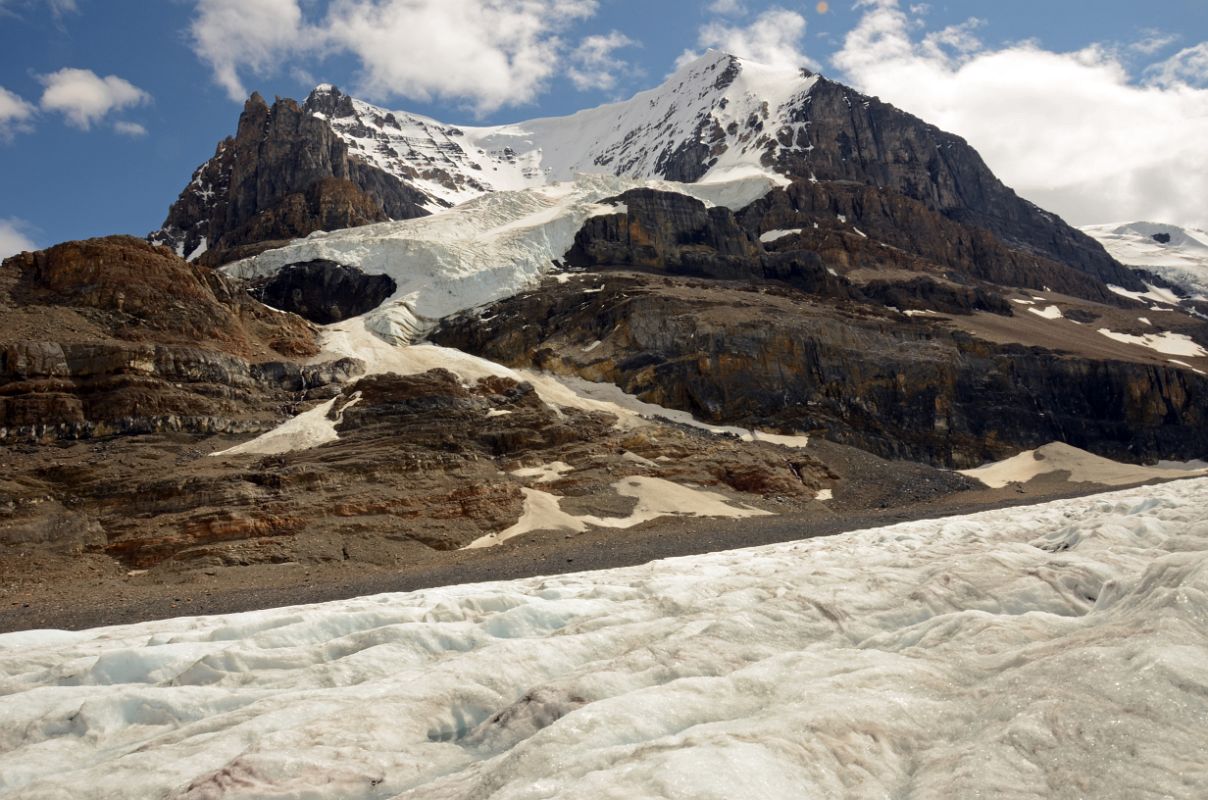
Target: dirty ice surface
{"x": 1053, "y": 651}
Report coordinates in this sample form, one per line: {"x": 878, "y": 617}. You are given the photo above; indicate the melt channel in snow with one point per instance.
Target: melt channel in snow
{"x": 1054, "y": 651}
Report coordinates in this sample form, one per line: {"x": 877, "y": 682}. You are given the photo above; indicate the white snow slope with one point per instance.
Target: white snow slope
{"x": 634, "y": 138}
{"x": 1055, "y": 651}
{"x": 1183, "y": 260}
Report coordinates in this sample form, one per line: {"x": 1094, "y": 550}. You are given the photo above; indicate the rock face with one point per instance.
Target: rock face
{"x": 324, "y": 291}
{"x": 848, "y": 136}
{"x": 116, "y": 336}
{"x": 854, "y": 226}
{"x": 852, "y": 373}
{"x": 285, "y": 174}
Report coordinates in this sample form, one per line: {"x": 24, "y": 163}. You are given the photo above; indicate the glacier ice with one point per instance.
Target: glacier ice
{"x": 1055, "y": 651}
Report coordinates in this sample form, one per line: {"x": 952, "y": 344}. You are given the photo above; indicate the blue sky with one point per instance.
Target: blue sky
{"x": 106, "y": 106}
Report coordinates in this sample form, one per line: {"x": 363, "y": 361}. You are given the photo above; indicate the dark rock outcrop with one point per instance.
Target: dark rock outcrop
{"x": 899, "y": 232}
{"x": 677, "y": 235}
{"x": 856, "y": 138}
{"x": 324, "y": 291}
{"x": 283, "y": 175}
{"x": 854, "y": 374}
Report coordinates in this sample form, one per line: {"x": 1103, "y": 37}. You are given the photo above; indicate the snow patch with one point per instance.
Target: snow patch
{"x": 772, "y": 236}
{"x": 1185, "y": 365}
{"x": 547, "y": 473}
{"x": 1083, "y": 467}
{"x": 306, "y": 431}
{"x": 1050, "y": 312}
{"x": 1153, "y": 294}
{"x": 655, "y": 498}
{"x": 1166, "y": 342}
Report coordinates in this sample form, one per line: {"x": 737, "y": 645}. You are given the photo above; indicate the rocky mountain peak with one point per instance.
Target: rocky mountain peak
{"x": 717, "y": 117}
{"x": 329, "y": 101}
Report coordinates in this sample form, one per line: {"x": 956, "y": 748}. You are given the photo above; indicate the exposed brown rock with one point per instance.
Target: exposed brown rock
{"x": 853, "y": 373}
{"x": 114, "y": 335}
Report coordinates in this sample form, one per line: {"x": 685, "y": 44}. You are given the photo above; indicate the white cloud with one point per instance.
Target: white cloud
{"x": 58, "y": 8}
{"x": 593, "y": 63}
{"x": 129, "y": 128}
{"x": 84, "y": 97}
{"x": 1073, "y": 132}
{"x": 774, "y": 37}
{"x": 1188, "y": 67}
{"x": 490, "y": 53}
{"x": 14, "y": 238}
{"x": 15, "y": 114}
{"x": 1153, "y": 41}
{"x": 727, "y": 7}
{"x": 252, "y": 34}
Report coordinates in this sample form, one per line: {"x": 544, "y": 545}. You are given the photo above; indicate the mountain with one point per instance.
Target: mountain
{"x": 338, "y": 162}
{"x": 1179, "y": 255}
{"x": 750, "y": 292}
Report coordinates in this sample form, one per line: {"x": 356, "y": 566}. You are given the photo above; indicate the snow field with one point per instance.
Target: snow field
{"x": 1166, "y": 342}
{"x": 1055, "y": 651}
{"x": 1183, "y": 260}
{"x": 1083, "y": 467}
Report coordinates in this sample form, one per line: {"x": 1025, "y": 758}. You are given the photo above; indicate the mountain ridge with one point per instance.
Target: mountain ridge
{"x": 717, "y": 117}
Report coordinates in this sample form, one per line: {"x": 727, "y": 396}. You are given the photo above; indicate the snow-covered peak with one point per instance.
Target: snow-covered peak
{"x": 715, "y": 118}
{"x": 1176, "y": 253}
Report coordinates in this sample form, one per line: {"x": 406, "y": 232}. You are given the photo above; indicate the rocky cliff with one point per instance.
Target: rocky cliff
{"x": 283, "y": 175}
{"x": 899, "y": 387}
{"x": 116, "y": 336}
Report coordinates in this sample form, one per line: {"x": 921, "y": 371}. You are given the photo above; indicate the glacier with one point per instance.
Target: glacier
{"x": 483, "y": 250}
{"x": 1055, "y": 651}
{"x": 1182, "y": 258}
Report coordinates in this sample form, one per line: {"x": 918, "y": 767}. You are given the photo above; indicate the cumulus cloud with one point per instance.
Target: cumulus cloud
{"x": 1073, "y": 132}
{"x": 14, "y": 237}
{"x": 774, "y": 37}
{"x": 1188, "y": 67}
{"x": 15, "y": 114}
{"x": 593, "y": 64}
{"x": 245, "y": 34}
{"x": 490, "y": 53}
{"x": 84, "y": 97}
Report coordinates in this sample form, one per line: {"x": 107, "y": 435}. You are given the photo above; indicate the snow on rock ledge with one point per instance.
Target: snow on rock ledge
{"x": 1052, "y": 651}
